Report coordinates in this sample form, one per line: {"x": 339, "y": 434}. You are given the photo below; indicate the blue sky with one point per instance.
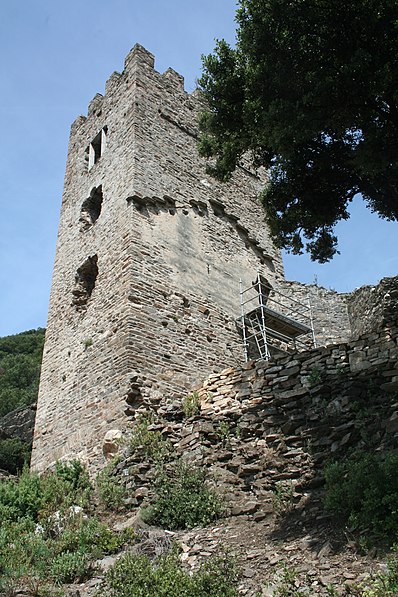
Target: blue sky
{"x": 54, "y": 57}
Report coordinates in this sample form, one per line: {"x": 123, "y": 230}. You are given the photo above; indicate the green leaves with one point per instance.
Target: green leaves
{"x": 14, "y": 454}
{"x": 20, "y": 358}
{"x": 183, "y": 498}
{"x": 137, "y": 575}
{"x": 310, "y": 91}
{"x": 44, "y": 537}
{"x": 363, "y": 489}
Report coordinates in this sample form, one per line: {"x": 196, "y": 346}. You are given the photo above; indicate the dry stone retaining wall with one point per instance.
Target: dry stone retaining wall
{"x": 270, "y": 425}
{"x": 372, "y": 308}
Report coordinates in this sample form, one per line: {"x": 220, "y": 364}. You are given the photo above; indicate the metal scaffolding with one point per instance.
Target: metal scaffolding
{"x": 273, "y": 322}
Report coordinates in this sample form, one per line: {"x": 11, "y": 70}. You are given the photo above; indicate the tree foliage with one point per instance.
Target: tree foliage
{"x": 14, "y": 454}
{"x": 310, "y": 92}
{"x": 20, "y": 359}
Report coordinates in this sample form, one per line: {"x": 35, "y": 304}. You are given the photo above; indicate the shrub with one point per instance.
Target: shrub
{"x": 191, "y": 405}
{"x": 68, "y": 485}
{"x": 32, "y": 496}
{"x": 225, "y": 433}
{"x": 283, "y": 498}
{"x": 110, "y": 491}
{"x": 183, "y": 499}
{"x": 14, "y": 454}
{"x": 74, "y": 475}
{"x": 91, "y": 537}
{"x": 63, "y": 545}
{"x": 23, "y": 553}
{"x": 364, "y": 490}
{"x": 315, "y": 376}
{"x": 70, "y": 567}
{"x": 22, "y": 498}
{"x": 149, "y": 443}
{"x": 28, "y": 555}
{"x": 384, "y": 584}
{"x": 165, "y": 577}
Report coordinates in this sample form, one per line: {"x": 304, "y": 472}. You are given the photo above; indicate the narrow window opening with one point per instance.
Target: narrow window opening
{"x": 91, "y": 208}
{"x": 97, "y": 147}
{"x": 85, "y": 279}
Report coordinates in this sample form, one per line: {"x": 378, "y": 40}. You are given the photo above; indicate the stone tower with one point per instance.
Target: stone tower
{"x": 150, "y": 251}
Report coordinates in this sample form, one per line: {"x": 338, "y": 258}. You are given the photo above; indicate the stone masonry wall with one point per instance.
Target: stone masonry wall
{"x": 372, "y": 308}
{"x": 266, "y": 426}
{"x": 328, "y": 308}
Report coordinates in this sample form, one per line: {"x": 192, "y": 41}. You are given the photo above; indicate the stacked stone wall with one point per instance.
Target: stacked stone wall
{"x": 328, "y": 310}
{"x": 372, "y": 308}
{"x": 269, "y": 425}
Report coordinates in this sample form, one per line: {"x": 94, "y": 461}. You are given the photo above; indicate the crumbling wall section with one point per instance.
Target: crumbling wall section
{"x": 372, "y": 308}
{"x": 265, "y": 426}
{"x": 328, "y": 308}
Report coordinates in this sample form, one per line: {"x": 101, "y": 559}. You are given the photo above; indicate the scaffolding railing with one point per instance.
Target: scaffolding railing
{"x": 272, "y": 321}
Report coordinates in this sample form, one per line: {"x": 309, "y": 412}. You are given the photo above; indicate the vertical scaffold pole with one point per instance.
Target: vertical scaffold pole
{"x": 266, "y": 355}
{"x": 242, "y": 318}
{"x": 311, "y": 320}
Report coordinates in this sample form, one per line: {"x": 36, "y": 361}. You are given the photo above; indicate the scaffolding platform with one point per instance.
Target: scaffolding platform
{"x": 273, "y": 322}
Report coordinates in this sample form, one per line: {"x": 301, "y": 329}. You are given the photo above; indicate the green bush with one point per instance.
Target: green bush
{"x": 14, "y": 454}
{"x": 67, "y": 556}
{"x": 283, "y": 498}
{"x": 22, "y": 498}
{"x": 183, "y": 499}
{"x": 223, "y": 432}
{"x": 363, "y": 489}
{"x": 315, "y": 376}
{"x": 24, "y": 554}
{"x": 68, "y": 485}
{"x": 42, "y": 539}
{"x": 165, "y": 577}
{"x": 33, "y": 497}
{"x": 149, "y": 443}
{"x": 73, "y": 474}
{"x": 109, "y": 489}
{"x": 69, "y": 567}
{"x": 29, "y": 555}
{"x": 384, "y": 584}
{"x": 191, "y": 405}
{"x": 91, "y": 537}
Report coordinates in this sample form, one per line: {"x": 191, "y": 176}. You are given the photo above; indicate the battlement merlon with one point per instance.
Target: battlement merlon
{"x": 138, "y": 56}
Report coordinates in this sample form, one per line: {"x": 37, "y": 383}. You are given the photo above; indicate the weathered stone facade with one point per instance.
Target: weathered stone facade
{"x": 150, "y": 251}
{"x": 328, "y": 307}
{"x": 373, "y": 308}
{"x": 270, "y": 422}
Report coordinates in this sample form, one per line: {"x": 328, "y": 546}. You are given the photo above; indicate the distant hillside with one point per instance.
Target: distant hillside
{"x": 20, "y": 360}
